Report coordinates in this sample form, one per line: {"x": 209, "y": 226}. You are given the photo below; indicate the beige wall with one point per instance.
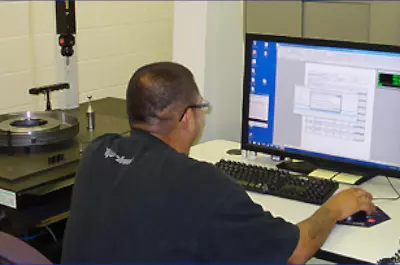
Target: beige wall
{"x": 273, "y": 17}
{"x": 27, "y": 55}
{"x": 208, "y": 38}
{"x": 361, "y": 21}
{"x": 114, "y": 38}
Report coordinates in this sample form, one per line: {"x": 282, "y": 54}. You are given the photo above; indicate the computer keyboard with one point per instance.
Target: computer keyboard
{"x": 279, "y": 183}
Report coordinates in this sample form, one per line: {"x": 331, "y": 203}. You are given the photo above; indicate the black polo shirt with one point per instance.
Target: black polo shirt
{"x": 138, "y": 200}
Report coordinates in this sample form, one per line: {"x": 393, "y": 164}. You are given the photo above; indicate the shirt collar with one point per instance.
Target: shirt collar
{"x": 135, "y": 132}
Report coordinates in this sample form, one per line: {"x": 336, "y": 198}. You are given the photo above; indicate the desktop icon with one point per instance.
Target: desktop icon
{"x": 253, "y": 61}
{"x": 253, "y": 70}
{"x": 266, "y": 44}
{"x": 254, "y": 52}
{"x": 253, "y": 89}
{"x": 253, "y": 80}
{"x": 265, "y": 54}
{"x": 264, "y": 81}
{"x": 254, "y": 43}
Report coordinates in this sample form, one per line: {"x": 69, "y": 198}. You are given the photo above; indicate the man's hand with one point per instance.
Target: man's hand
{"x": 350, "y": 201}
{"x": 315, "y": 230}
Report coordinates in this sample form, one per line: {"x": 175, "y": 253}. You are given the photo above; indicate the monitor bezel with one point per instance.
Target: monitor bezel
{"x": 324, "y": 162}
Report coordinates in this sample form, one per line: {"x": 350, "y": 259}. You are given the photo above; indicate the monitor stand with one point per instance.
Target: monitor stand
{"x": 305, "y": 167}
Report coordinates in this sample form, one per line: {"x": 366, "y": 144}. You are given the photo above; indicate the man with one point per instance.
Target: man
{"x": 140, "y": 198}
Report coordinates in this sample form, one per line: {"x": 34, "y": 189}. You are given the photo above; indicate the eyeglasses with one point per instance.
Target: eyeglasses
{"x": 205, "y": 106}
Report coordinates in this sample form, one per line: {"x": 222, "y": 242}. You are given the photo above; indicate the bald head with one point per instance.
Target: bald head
{"x": 158, "y": 92}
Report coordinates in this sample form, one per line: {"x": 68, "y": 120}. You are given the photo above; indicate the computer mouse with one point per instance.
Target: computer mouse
{"x": 360, "y": 216}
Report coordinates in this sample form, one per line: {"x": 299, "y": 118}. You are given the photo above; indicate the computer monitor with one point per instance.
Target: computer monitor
{"x": 332, "y": 103}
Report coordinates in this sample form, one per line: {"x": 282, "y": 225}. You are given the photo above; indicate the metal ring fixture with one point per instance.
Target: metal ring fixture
{"x": 24, "y": 129}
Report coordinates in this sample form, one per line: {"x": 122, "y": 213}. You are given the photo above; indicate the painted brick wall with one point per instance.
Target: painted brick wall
{"x": 114, "y": 38}
{"x": 27, "y": 53}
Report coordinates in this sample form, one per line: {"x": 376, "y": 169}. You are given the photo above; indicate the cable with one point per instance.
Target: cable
{"x": 393, "y": 198}
{"x": 27, "y": 238}
{"x": 51, "y": 233}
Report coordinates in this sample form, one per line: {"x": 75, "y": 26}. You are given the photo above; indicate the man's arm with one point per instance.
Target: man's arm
{"x": 315, "y": 230}
{"x": 313, "y": 233}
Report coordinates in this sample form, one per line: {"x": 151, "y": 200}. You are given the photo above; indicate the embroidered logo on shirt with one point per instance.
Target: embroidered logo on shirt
{"x": 119, "y": 159}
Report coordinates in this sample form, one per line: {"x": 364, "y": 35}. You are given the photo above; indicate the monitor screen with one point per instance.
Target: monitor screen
{"x": 324, "y": 100}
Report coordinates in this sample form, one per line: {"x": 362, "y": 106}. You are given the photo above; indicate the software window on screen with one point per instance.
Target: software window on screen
{"x": 325, "y": 100}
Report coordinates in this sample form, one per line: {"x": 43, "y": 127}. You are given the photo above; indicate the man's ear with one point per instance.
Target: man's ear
{"x": 188, "y": 119}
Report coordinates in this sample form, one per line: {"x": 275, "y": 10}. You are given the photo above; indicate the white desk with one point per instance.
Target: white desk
{"x": 364, "y": 244}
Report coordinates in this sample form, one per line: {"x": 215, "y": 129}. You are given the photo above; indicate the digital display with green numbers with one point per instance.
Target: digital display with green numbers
{"x": 389, "y": 80}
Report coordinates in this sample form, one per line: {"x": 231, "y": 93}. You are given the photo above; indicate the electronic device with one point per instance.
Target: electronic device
{"x": 65, "y": 16}
{"x": 279, "y": 183}
{"x": 39, "y": 154}
{"x": 362, "y": 219}
{"x": 330, "y": 103}
{"x": 66, "y": 26}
